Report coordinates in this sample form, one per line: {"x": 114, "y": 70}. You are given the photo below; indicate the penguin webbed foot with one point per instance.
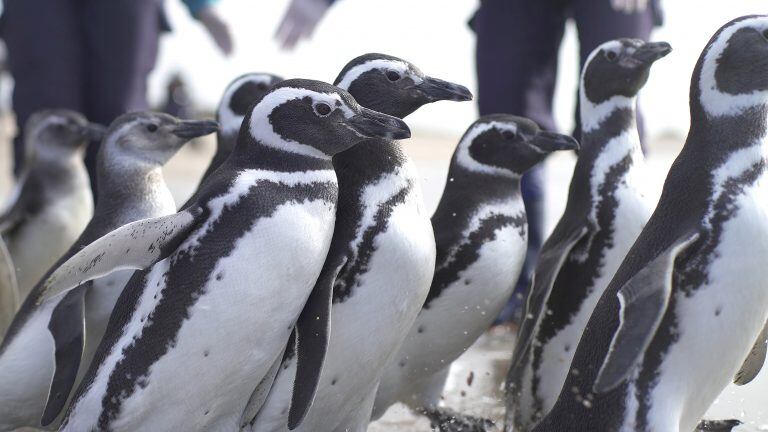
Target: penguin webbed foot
{"x": 446, "y": 420}
{"x": 717, "y": 425}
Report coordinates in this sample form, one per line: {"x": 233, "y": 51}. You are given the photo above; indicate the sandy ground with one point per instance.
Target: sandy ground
{"x": 488, "y": 359}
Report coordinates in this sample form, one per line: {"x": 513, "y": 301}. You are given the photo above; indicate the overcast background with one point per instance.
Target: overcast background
{"x": 432, "y": 34}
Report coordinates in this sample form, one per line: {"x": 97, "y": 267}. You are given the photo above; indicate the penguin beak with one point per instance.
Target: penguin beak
{"x": 190, "y": 129}
{"x": 372, "y": 124}
{"x": 93, "y": 132}
{"x": 550, "y": 142}
{"x": 651, "y": 52}
{"x": 436, "y": 90}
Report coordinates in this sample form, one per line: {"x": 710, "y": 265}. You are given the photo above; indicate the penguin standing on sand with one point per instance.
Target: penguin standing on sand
{"x": 685, "y": 312}
{"x": 227, "y": 277}
{"x": 53, "y": 200}
{"x": 481, "y": 232}
{"x": 239, "y": 95}
{"x": 606, "y": 210}
{"x": 380, "y": 264}
{"x": 129, "y": 170}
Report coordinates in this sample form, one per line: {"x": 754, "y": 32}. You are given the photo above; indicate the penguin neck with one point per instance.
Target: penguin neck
{"x": 713, "y": 140}
{"x": 254, "y": 154}
{"x": 608, "y": 135}
{"x": 481, "y": 186}
{"x": 368, "y": 160}
{"x": 60, "y": 169}
{"x": 132, "y": 190}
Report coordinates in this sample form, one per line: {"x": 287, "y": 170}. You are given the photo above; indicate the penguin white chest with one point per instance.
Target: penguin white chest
{"x": 718, "y": 323}
{"x": 228, "y": 338}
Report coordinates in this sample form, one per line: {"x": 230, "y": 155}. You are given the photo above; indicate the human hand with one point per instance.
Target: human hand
{"x": 300, "y": 21}
{"x": 217, "y": 28}
{"x": 629, "y": 6}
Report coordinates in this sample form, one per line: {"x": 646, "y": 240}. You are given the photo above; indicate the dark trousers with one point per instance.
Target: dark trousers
{"x": 91, "y": 56}
{"x": 517, "y": 47}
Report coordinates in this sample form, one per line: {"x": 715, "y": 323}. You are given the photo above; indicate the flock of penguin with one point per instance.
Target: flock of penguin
{"x": 303, "y": 286}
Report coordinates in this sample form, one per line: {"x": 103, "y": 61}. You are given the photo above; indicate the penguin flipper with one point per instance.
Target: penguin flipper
{"x": 9, "y": 289}
{"x": 313, "y": 329}
{"x": 136, "y": 245}
{"x": 259, "y": 395}
{"x": 548, "y": 267}
{"x": 67, "y": 326}
{"x": 643, "y": 301}
{"x": 755, "y": 359}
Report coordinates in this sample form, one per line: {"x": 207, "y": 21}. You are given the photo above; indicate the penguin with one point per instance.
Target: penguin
{"x": 52, "y": 201}
{"x": 685, "y": 312}
{"x": 481, "y": 232}
{"x": 607, "y": 207}
{"x": 223, "y": 282}
{"x": 382, "y": 254}
{"x": 237, "y": 98}
{"x": 129, "y": 170}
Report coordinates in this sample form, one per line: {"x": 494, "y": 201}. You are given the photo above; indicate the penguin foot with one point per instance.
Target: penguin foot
{"x": 445, "y": 420}
{"x": 717, "y": 425}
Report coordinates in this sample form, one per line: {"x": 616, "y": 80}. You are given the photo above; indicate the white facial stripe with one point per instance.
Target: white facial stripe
{"x": 262, "y": 129}
{"x": 466, "y": 160}
{"x": 715, "y": 102}
{"x": 230, "y": 121}
{"x": 592, "y": 115}
{"x": 360, "y": 69}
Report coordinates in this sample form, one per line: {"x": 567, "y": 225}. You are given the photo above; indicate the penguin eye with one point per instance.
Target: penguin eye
{"x": 611, "y": 56}
{"x": 393, "y": 76}
{"x": 322, "y": 109}
{"x": 508, "y": 135}
{"x": 152, "y": 127}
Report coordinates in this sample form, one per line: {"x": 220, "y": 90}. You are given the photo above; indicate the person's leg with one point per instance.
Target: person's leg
{"x": 597, "y": 22}
{"x": 517, "y": 47}
{"x": 44, "y": 58}
{"x": 121, "y": 48}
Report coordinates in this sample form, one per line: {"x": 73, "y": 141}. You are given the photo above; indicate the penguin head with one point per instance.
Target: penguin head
{"x": 394, "y": 86}
{"x": 56, "y": 133}
{"x": 620, "y": 68}
{"x": 732, "y": 73}
{"x": 151, "y": 138}
{"x": 315, "y": 119}
{"x": 507, "y": 145}
{"x": 238, "y": 97}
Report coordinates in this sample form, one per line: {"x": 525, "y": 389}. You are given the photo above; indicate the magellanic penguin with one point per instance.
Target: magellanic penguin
{"x": 607, "y": 207}
{"x": 52, "y": 202}
{"x": 129, "y": 169}
{"x": 381, "y": 258}
{"x": 683, "y": 312}
{"x": 481, "y": 231}
{"x": 239, "y": 95}
{"x": 196, "y": 337}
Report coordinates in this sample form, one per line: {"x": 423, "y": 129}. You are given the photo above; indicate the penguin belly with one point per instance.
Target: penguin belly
{"x": 717, "y": 324}
{"x": 228, "y": 337}
{"x": 367, "y": 327}
{"x": 453, "y": 321}
{"x": 557, "y": 352}
{"x": 26, "y": 370}
{"x": 43, "y": 239}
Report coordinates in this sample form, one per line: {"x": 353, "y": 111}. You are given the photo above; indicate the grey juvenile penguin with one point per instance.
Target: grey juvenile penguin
{"x": 681, "y": 317}
{"x": 129, "y": 171}
{"x": 226, "y": 278}
{"x": 52, "y": 202}
{"x": 607, "y": 207}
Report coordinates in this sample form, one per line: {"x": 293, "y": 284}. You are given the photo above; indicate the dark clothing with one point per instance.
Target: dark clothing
{"x": 91, "y": 56}
{"x": 517, "y": 48}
